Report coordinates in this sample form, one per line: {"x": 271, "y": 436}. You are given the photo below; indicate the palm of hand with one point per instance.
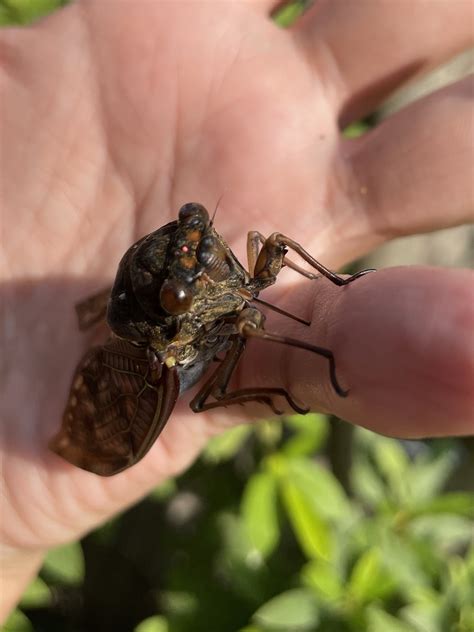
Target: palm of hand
{"x": 119, "y": 130}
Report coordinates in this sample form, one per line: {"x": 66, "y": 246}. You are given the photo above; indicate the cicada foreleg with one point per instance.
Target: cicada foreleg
{"x": 271, "y": 258}
{"x": 255, "y": 240}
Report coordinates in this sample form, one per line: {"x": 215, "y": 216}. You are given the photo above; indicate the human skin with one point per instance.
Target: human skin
{"x": 110, "y": 120}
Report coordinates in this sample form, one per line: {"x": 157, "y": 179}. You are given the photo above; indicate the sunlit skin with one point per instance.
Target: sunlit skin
{"x": 110, "y": 120}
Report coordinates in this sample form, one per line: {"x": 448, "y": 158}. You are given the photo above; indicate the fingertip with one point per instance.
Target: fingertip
{"x": 404, "y": 343}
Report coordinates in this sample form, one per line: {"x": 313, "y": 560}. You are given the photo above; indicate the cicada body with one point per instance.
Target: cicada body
{"x": 165, "y": 313}
{"x": 180, "y": 299}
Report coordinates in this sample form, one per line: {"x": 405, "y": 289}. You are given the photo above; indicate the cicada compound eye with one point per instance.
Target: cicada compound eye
{"x": 194, "y": 215}
{"x": 206, "y": 250}
{"x": 176, "y": 297}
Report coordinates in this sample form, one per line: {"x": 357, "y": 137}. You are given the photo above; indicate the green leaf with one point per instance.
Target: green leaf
{"x": 466, "y": 619}
{"x": 446, "y": 532}
{"x": 323, "y": 579}
{"x": 66, "y": 563}
{"x": 179, "y": 602}
{"x": 311, "y": 531}
{"x": 37, "y": 595}
{"x": 25, "y": 11}
{"x": 394, "y": 464}
{"x": 406, "y": 569}
{"x": 367, "y": 484}
{"x": 17, "y": 622}
{"x": 153, "y": 624}
{"x": 424, "y": 617}
{"x": 466, "y": 614}
{"x": 259, "y": 512}
{"x": 369, "y": 580}
{"x": 235, "y": 537}
{"x": 294, "y": 610}
{"x": 427, "y": 478}
{"x": 269, "y": 433}
{"x": 380, "y": 621}
{"x": 354, "y": 130}
{"x": 321, "y": 488}
{"x": 311, "y": 432}
{"x": 7, "y": 16}
{"x": 287, "y": 15}
{"x": 460, "y": 583}
{"x": 470, "y": 559}
{"x": 461, "y": 503}
{"x": 225, "y": 446}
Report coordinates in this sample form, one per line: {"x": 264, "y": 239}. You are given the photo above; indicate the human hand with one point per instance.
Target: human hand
{"x": 112, "y": 119}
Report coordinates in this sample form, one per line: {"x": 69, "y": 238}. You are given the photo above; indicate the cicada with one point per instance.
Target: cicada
{"x": 181, "y": 301}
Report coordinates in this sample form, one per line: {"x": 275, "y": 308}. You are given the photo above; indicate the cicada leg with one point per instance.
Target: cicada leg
{"x": 271, "y": 258}
{"x": 254, "y": 240}
{"x": 250, "y": 325}
{"x": 216, "y": 386}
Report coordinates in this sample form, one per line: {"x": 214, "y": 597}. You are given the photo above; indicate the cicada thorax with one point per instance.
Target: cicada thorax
{"x": 175, "y": 280}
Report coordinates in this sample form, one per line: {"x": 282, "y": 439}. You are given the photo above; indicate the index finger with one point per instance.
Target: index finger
{"x": 403, "y": 345}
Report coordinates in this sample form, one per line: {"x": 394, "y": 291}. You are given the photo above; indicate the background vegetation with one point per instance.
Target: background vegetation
{"x": 303, "y": 524}
{"x": 260, "y": 535}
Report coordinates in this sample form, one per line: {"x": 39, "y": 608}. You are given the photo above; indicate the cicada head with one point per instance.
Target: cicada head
{"x": 173, "y": 276}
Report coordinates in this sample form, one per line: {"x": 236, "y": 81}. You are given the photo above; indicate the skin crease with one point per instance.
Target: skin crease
{"x": 141, "y": 110}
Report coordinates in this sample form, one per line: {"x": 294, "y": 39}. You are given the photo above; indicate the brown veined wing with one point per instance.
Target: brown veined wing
{"x": 117, "y": 407}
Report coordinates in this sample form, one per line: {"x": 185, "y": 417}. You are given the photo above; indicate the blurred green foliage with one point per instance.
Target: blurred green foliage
{"x": 282, "y": 527}
{"x": 13, "y": 12}
{"x": 261, "y": 536}
{"x": 20, "y": 12}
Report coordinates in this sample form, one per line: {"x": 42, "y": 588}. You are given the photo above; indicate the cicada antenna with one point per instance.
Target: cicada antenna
{"x": 217, "y": 206}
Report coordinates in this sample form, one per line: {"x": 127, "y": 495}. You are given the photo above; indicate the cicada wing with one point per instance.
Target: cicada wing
{"x": 118, "y": 405}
